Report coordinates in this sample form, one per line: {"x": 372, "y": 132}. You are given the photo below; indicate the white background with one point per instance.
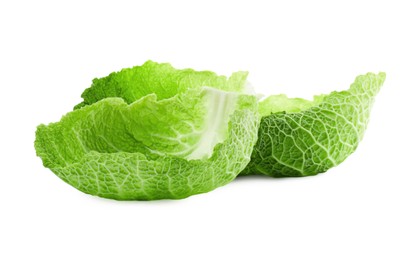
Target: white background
{"x": 366, "y": 208}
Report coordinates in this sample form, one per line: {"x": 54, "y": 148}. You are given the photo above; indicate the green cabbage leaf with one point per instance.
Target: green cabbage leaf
{"x": 299, "y": 137}
{"x": 153, "y": 132}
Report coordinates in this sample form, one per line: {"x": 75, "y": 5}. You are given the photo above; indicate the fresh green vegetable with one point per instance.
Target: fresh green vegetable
{"x": 153, "y": 132}
{"x": 299, "y": 137}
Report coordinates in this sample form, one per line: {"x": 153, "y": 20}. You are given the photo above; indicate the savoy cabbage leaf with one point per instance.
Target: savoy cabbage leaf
{"x": 153, "y": 132}
{"x": 298, "y": 137}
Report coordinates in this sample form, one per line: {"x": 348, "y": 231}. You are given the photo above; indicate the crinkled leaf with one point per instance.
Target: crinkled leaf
{"x": 156, "y": 138}
{"x": 299, "y": 137}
